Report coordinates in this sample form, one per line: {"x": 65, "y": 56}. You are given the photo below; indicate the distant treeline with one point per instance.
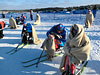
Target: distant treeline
{"x": 91, "y": 7}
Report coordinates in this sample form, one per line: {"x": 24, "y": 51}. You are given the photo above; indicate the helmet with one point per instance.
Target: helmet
{"x": 60, "y": 27}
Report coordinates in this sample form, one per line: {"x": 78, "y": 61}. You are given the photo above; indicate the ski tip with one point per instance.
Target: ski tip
{"x": 27, "y": 66}
{"x": 25, "y": 62}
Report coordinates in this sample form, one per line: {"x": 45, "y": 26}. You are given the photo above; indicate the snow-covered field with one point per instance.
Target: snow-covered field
{"x": 12, "y": 64}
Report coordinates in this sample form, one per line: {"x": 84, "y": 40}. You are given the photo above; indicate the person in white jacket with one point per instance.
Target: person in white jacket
{"x": 89, "y": 19}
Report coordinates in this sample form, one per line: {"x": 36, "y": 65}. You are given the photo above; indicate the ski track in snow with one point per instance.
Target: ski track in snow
{"x": 11, "y": 64}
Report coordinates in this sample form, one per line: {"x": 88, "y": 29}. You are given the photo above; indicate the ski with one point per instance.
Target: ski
{"x": 41, "y": 60}
{"x": 34, "y": 59}
{"x": 36, "y": 63}
{"x": 79, "y": 69}
{"x": 82, "y": 68}
{"x": 15, "y": 48}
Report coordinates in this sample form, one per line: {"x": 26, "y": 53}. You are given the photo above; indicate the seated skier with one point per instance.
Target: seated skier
{"x": 77, "y": 49}
{"x": 22, "y": 19}
{"x": 56, "y": 38}
{"x": 2, "y": 25}
{"x": 37, "y": 21}
{"x": 12, "y": 23}
{"x": 27, "y": 34}
{"x": 17, "y": 20}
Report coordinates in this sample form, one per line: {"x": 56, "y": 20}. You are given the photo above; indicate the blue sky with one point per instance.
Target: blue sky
{"x": 33, "y": 4}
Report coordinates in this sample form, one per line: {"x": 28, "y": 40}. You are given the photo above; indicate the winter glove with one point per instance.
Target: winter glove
{"x": 51, "y": 36}
{"x": 56, "y": 35}
{"x": 59, "y": 36}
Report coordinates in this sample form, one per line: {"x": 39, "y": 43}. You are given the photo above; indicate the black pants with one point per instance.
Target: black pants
{"x": 1, "y": 34}
{"x": 31, "y": 16}
{"x": 26, "y": 37}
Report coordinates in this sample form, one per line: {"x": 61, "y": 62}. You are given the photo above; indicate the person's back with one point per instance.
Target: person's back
{"x": 12, "y": 23}
{"x": 29, "y": 27}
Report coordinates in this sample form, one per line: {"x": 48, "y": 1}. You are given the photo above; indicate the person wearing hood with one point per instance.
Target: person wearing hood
{"x": 89, "y": 19}
{"x": 37, "y": 21}
{"x": 12, "y": 23}
{"x": 56, "y": 38}
{"x": 77, "y": 49}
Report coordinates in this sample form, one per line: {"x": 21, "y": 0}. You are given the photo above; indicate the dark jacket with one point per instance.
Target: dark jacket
{"x": 28, "y": 28}
{"x": 63, "y": 34}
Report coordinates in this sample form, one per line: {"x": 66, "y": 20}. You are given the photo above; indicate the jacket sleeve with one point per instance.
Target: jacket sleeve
{"x": 64, "y": 36}
{"x": 50, "y": 31}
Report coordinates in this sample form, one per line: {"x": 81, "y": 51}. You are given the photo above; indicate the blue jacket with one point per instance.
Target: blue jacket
{"x": 28, "y": 27}
{"x": 64, "y": 34}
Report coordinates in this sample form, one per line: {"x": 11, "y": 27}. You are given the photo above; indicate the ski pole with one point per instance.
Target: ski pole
{"x": 39, "y": 58}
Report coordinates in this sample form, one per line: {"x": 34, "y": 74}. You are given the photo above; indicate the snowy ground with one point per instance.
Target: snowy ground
{"x": 11, "y": 64}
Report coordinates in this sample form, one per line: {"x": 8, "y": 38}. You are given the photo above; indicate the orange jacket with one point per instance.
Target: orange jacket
{"x": 2, "y": 24}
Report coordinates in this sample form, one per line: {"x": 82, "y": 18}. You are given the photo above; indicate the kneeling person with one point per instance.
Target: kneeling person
{"x": 2, "y": 25}
{"x": 56, "y": 38}
{"x": 29, "y": 34}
